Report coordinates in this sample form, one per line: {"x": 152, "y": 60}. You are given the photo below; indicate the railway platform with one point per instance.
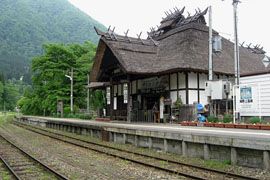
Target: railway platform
{"x": 243, "y": 147}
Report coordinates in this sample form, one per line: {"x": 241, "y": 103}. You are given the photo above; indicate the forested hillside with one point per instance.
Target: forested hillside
{"x": 27, "y": 24}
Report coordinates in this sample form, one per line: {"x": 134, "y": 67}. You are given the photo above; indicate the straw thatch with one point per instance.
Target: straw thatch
{"x": 183, "y": 48}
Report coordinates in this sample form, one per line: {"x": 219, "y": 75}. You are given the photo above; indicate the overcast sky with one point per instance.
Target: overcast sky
{"x": 140, "y": 15}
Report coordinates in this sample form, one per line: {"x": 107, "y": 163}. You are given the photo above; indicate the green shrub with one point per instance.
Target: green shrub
{"x": 212, "y": 119}
{"x": 255, "y": 120}
{"x": 85, "y": 116}
{"x": 79, "y": 116}
{"x": 227, "y": 118}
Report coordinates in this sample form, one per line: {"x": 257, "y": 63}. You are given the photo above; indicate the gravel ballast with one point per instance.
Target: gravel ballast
{"x": 79, "y": 163}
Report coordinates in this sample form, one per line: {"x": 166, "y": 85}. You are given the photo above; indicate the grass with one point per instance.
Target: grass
{"x": 217, "y": 164}
{"x": 5, "y": 176}
{"x": 6, "y": 117}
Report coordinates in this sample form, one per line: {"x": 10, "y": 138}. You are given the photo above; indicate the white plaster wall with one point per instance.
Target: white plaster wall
{"x": 202, "y": 79}
{"x": 203, "y": 98}
{"x": 182, "y": 94}
{"x": 193, "y": 96}
{"x": 173, "y": 81}
{"x": 192, "y": 80}
{"x": 173, "y": 95}
{"x": 181, "y": 80}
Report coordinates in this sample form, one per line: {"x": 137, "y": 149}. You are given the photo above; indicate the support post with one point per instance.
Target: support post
{"x": 266, "y": 163}
{"x": 150, "y": 142}
{"x": 112, "y": 99}
{"x": 88, "y": 95}
{"x": 206, "y": 152}
{"x": 71, "y": 91}
{"x": 233, "y": 156}
{"x": 184, "y": 148}
{"x": 114, "y": 137}
{"x": 129, "y": 104}
{"x": 236, "y": 47}
{"x": 165, "y": 143}
{"x": 210, "y": 75}
{"x": 124, "y": 138}
{"x": 136, "y": 143}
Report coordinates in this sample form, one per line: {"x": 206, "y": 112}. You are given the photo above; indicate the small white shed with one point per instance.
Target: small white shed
{"x": 253, "y": 95}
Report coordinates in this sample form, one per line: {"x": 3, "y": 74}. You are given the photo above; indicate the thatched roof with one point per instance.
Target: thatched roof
{"x": 182, "y": 48}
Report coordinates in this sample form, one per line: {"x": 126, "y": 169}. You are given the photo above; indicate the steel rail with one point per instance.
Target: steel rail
{"x": 118, "y": 156}
{"x": 47, "y": 168}
{"x": 227, "y": 174}
{"x": 9, "y": 168}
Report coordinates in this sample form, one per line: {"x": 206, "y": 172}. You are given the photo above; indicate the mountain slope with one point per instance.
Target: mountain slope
{"x": 27, "y": 24}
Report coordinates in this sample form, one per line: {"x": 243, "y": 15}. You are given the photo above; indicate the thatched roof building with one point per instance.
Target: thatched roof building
{"x": 181, "y": 46}
{"x": 171, "y": 63}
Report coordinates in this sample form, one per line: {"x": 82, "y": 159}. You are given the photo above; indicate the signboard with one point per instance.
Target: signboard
{"x": 247, "y": 99}
{"x": 108, "y": 95}
{"x": 125, "y": 92}
{"x": 161, "y": 107}
{"x": 168, "y": 102}
{"x": 155, "y": 83}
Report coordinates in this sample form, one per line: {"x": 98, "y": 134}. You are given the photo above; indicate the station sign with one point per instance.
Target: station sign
{"x": 247, "y": 99}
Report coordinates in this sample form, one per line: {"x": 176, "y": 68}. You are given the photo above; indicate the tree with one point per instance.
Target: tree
{"x": 49, "y": 81}
{"x": 9, "y": 94}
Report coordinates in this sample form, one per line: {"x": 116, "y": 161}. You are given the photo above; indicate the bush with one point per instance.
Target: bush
{"x": 227, "y": 118}
{"x": 212, "y": 119}
{"x": 255, "y": 120}
{"x": 79, "y": 116}
{"x": 85, "y": 116}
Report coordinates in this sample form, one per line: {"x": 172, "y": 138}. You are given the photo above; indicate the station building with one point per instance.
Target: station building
{"x": 144, "y": 78}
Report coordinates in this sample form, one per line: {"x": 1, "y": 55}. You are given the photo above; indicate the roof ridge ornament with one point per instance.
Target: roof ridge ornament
{"x": 126, "y": 35}
{"x": 256, "y": 49}
{"x": 150, "y": 37}
{"x": 139, "y": 37}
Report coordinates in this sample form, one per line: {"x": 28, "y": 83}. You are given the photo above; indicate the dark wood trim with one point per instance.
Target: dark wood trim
{"x": 177, "y": 84}
{"x": 112, "y": 99}
{"x": 198, "y": 86}
{"x": 186, "y": 88}
{"x": 169, "y": 82}
{"x": 190, "y": 89}
{"x": 136, "y": 87}
{"x": 131, "y": 87}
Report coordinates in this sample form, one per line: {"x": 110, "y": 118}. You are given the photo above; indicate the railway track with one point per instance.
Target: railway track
{"x": 172, "y": 166}
{"x": 23, "y": 166}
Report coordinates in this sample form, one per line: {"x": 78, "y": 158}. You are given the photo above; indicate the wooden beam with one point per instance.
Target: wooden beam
{"x": 198, "y": 86}
{"x": 186, "y": 88}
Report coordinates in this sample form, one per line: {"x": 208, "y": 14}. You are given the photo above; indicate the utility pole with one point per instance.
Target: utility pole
{"x": 210, "y": 75}
{"x": 71, "y": 92}
{"x": 236, "y": 47}
{"x": 88, "y": 94}
{"x": 236, "y": 57}
{"x": 71, "y": 89}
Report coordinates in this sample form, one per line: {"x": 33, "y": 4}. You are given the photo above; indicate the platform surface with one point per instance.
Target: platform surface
{"x": 247, "y": 134}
